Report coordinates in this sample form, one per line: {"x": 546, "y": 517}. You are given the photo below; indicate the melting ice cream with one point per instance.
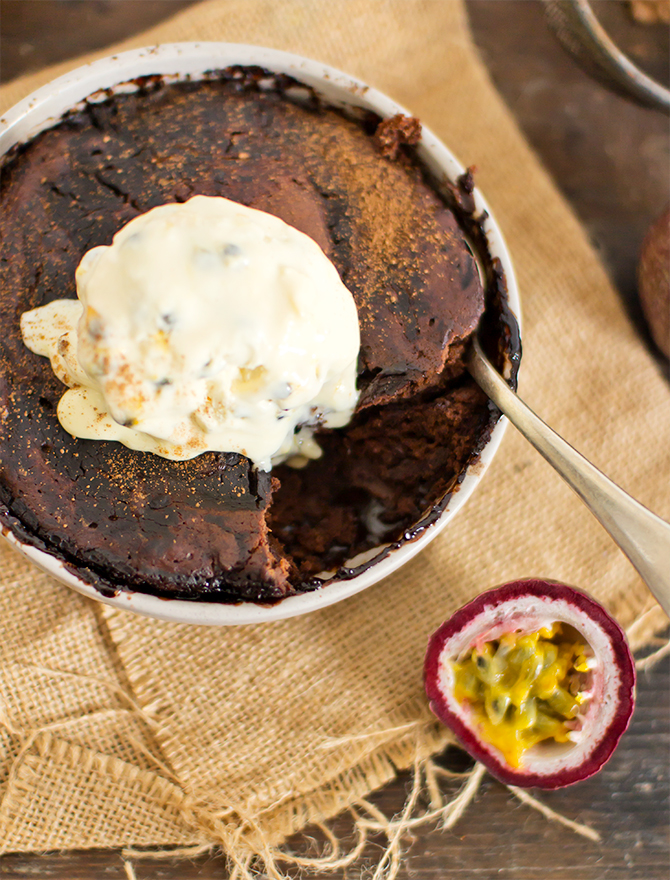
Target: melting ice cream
{"x": 205, "y": 325}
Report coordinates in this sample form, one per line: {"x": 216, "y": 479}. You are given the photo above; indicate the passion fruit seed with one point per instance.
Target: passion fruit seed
{"x": 524, "y": 688}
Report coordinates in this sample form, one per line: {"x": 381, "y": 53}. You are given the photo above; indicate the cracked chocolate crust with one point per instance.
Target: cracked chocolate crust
{"x": 214, "y": 527}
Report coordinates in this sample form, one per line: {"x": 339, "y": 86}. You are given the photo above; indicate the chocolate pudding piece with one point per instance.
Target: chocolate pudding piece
{"x": 214, "y": 527}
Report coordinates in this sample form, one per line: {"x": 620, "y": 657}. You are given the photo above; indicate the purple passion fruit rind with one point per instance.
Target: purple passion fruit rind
{"x": 603, "y": 687}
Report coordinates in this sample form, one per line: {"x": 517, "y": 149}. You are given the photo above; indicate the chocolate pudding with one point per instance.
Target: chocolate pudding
{"x": 215, "y": 527}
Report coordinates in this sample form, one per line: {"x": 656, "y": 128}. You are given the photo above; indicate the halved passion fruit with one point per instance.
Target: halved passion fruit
{"x": 537, "y": 681}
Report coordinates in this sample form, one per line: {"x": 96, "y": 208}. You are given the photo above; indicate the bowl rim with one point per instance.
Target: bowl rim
{"x": 92, "y": 82}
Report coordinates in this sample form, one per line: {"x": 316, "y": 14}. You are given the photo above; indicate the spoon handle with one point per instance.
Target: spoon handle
{"x": 643, "y": 536}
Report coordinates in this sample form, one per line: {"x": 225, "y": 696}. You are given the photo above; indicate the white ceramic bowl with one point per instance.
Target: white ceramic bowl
{"x": 45, "y": 107}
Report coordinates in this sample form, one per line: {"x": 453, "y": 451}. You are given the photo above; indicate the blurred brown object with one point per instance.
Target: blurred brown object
{"x": 654, "y": 281}
{"x": 650, "y": 11}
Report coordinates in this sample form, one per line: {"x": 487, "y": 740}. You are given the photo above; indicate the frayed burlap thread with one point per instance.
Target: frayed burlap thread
{"x": 125, "y": 732}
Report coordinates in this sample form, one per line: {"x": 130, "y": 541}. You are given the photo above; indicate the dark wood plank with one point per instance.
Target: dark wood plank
{"x": 29, "y": 27}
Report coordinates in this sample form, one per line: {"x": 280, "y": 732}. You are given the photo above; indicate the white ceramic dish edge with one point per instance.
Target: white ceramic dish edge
{"x": 45, "y": 107}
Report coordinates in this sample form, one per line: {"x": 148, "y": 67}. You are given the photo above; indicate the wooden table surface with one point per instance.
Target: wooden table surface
{"x": 610, "y": 158}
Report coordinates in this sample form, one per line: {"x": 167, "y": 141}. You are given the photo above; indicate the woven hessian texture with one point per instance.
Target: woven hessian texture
{"x": 119, "y": 730}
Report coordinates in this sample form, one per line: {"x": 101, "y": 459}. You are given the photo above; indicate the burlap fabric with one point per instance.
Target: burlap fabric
{"x": 118, "y": 730}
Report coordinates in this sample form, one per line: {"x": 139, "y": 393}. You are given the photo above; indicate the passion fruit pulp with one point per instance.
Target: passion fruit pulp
{"x": 537, "y": 681}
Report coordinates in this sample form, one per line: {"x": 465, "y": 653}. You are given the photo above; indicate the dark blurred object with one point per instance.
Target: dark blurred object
{"x": 580, "y": 32}
{"x": 654, "y": 281}
{"x": 650, "y": 11}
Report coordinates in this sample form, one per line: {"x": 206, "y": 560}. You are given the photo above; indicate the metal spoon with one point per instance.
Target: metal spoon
{"x": 643, "y": 536}
{"x": 580, "y": 32}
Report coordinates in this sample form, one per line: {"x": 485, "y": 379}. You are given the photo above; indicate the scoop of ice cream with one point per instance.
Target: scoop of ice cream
{"x": 205, "y": 325}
